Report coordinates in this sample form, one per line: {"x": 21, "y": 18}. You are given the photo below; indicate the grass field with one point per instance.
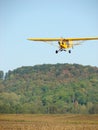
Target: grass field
{"x": 48, "y": 122}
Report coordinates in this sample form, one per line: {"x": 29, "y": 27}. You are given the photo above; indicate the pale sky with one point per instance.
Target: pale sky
{"x": 21, "y": 19}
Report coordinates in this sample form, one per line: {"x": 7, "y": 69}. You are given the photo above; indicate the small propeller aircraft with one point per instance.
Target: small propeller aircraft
{"x": 64, "y": 43}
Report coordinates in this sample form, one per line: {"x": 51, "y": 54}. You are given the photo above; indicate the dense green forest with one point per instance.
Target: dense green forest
{"x": 58, "y": 88}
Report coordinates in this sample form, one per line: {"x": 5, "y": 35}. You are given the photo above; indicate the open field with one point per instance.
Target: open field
{"x": 48, "y": 122}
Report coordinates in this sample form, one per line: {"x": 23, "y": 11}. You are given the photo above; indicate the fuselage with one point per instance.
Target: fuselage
{"x": 65, "y": 44}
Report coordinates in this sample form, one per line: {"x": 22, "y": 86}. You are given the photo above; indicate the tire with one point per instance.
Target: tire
{"x": 56, "y": 51}
{"x": 69, "y": 51}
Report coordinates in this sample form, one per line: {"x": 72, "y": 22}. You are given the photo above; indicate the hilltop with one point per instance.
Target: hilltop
{"x": 58, "y": 88}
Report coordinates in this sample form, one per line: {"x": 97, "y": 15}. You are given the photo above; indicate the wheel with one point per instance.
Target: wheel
{"x": 56, "y": 51}
{"x": 69, "y": 51}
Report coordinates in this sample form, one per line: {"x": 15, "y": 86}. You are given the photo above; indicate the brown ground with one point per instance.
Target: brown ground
{"x": 48, "y": 122}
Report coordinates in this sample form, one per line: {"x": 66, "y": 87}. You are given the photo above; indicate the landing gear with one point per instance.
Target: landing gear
{"x": 62, "y": 50}
{"x": 58, "y": 51}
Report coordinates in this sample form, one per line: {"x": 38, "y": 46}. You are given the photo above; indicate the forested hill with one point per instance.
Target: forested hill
{"x": 58, "y": 88}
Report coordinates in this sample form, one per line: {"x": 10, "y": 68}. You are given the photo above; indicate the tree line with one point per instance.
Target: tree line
{"x": 55, "y": 89}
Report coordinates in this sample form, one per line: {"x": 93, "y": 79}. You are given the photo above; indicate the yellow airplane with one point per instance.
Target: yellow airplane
{"x": 64, "y": 43}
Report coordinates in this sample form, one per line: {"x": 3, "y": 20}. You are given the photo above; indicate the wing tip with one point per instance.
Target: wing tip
{"x": 29, "y": 39}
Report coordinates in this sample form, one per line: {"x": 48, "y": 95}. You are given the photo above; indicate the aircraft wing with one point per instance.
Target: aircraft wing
{"x": 60, "y": 39}
{"x": 82, "y": 39}
{"x": 44, "y": 39}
